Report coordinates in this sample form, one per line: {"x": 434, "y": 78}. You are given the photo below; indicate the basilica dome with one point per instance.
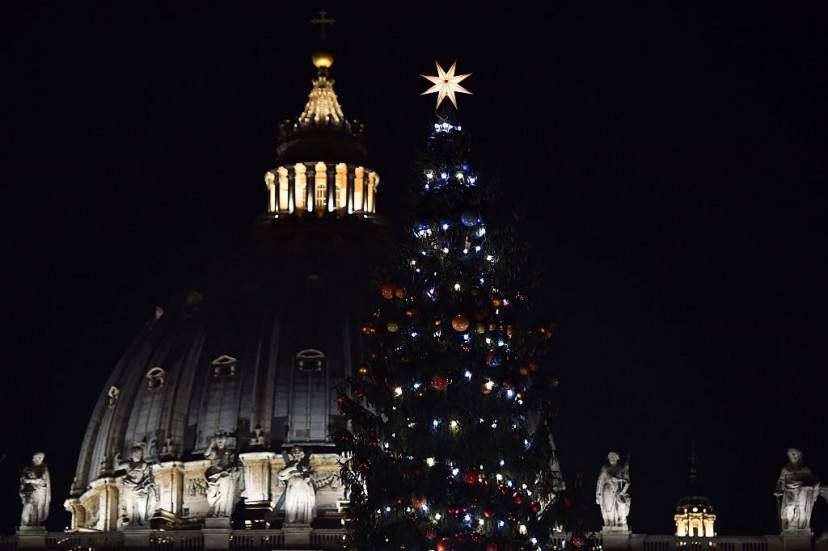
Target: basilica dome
{"x": 255, "y": 353}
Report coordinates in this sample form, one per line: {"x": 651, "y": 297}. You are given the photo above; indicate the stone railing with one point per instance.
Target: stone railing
{"x": 177, "y": 540}
{"x": 330, "y": 539}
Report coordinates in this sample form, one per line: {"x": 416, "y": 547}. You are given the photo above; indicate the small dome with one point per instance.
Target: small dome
{"x": 322, "y": 131}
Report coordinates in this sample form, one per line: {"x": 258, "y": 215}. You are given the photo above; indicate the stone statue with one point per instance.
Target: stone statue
{"x": 140, "y": 490}
{"x": 223, "y": 478}
{"x": 35, "y": 491}
{"x": 797, "y": 489}
{"x": 612, "y": 492}
{"x": 301, "y": 481}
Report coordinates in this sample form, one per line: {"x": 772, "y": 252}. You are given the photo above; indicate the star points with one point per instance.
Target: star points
{"x": 446, "y": 84}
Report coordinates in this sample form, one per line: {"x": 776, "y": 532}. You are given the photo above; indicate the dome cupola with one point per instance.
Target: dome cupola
{"x": 321, "y": 157}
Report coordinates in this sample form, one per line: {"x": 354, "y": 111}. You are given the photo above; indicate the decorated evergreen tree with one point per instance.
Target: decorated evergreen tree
{"x": 451, "y": 414}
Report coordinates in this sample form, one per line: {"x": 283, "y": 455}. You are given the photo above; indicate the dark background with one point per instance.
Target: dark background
{"x": 669, "y": 163}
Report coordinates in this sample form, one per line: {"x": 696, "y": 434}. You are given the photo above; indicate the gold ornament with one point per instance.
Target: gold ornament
{"x": 460, "y": 323}
{"x": 392, "y": 326}
{"x": 446, "y": 83}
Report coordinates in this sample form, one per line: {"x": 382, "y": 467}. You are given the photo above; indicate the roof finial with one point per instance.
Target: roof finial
{"x": 694, "y": 474}
{"x": 322, "y": 20}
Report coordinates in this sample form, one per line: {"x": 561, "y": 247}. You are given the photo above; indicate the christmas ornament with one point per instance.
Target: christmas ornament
{"x": 363, "y": 369}
{"x": 471, "y": 476}
{"x": 439, "y": 382}
{"x": 400, "y": 292}
{"x": 469, "y": 219}
{"x": 387, "y": 291}
{"x": 430, "y": 533}
{"x": 460, "y": 323}
{"x": 392, "y": 326}
{"x": 446, "y": 83}
{"x": 444, "y": 545}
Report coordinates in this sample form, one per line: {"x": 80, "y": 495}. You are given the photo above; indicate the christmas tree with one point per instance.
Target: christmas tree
{"x": 451, "y": 415}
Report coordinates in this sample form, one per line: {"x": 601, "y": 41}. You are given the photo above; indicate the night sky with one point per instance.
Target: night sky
{"x": 668, "y": 165}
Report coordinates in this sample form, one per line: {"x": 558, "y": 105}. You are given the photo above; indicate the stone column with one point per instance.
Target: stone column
{"x": 291, "y": 176}
{"x": 108, "y": 495}
{"x": 169, "y": 476}
{"x": 349, "y": 188}
{"x": 74, "y": 507}
{"x": 257, "y": 479}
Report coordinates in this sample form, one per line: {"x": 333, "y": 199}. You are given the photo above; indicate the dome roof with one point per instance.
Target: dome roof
{"x": 257, "y": 351}
{"x": 256, "y": 356}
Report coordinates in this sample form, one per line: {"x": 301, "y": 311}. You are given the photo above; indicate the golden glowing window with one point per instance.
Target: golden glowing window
{"x": 300, "y": 187}
{"x": 321, "y": 186}
{"x": 284, "y": 188}
{"x": 371, "y": 185}
{"x": 359, "y": 175}
{"x": 341, "y": 185}
{"x": 271, "y": 190}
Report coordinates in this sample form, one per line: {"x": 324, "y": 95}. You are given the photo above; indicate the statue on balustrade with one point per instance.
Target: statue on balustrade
{"x": 224, "y": 480}
{"x": 797, "y": 488}
{"x": 140, "y": 490}
{"x": 302, "y": 483}
{"x": 35, "y": 492}
{"x": 612, "y": 492}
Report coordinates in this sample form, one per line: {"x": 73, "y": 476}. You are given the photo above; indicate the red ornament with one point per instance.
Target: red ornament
{"x": 471, "y": 476}
{"x": 430, "y": 534}
{"x": 578, "y": 541}
{"x": 460, "y": 537}
{"x": 439, "y": 382}
{"x": 535, "y": 507}
{"x": 444, "y": 545}
{"x": 488, "y": 512}
{"x": 491, "y": 546}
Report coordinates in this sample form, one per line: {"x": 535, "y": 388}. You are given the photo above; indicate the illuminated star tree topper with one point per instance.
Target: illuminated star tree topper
{"x": 446, "y": 84}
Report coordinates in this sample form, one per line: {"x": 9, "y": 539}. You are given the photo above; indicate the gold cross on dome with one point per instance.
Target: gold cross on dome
{"x": 322, "y": 20}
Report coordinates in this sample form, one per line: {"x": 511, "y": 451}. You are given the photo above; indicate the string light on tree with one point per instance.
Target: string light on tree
{"x": 450, "y": 407}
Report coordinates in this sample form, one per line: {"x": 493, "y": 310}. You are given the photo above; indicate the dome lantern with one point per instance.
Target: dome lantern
{"x": 321, "y": 157}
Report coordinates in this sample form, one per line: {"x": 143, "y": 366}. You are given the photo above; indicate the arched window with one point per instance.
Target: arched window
{"x": 300, "y": 186}
{"x": 155, "y": 378}
{"x": 113, "y": 394}
{"x": 270, "y": 178}
{"x": 224, "y": 367}
{"x": 321, "y": 178}
{"x": 310, "y": 360}
{"x": 284, "y": 189}
{"x": 310, "y": 398}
